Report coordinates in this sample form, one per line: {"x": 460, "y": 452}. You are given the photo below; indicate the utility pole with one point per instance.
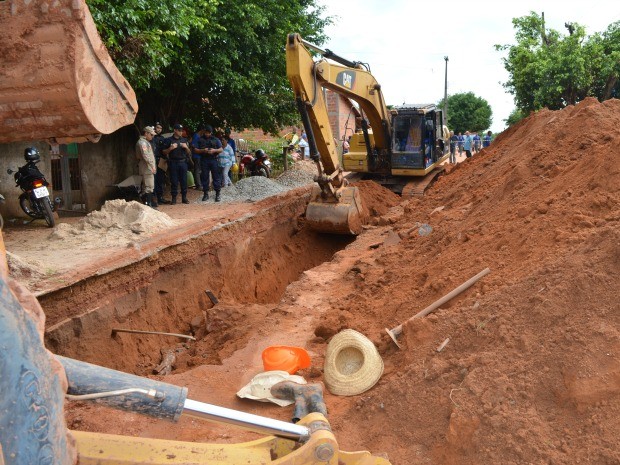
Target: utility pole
{"x": 445, "y": 95}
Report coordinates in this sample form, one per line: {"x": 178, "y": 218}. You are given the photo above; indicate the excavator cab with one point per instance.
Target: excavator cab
{"x": 417, "y": 142}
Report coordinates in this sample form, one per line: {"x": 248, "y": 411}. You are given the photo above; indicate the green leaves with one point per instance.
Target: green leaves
{"x": 467, "y": 112}
{"x": 548, "y": 69}
{"x": 208, "y": 60}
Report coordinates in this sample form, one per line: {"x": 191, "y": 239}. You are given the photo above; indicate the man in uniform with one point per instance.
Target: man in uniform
{"x": 160, "y": 175}
{"x": 209, "y": 147}
{"x": 176, "y": 148}
{"x": 146, "y": 164}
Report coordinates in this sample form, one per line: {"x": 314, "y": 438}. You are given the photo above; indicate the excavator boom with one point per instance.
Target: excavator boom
{"x": 334, "y": 206}
{"x": 57, "y": 80}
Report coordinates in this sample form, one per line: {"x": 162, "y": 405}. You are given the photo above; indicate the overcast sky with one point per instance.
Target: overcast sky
{"x": 405, "y": 41}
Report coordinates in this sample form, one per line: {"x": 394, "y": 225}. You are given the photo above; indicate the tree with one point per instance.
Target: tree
{"x": 548, "y": 69}
{"x": 515, "y": 116}
{"x": 205, "y": 60}
{"x": 468, "y": 112}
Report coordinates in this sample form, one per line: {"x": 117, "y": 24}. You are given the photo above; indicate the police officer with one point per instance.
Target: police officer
{"x": 160, "y": 175}
{"x": 176, "y": 148}
{"x": 209, "y": 147}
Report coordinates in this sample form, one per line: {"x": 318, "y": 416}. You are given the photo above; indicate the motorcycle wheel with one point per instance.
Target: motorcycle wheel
{"x": 25, "y": 203}
{"x": 47, "y": 211}
{"x": 263, "y": 171}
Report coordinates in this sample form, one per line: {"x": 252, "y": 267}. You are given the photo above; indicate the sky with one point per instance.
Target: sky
{"x": 405, "y": 42}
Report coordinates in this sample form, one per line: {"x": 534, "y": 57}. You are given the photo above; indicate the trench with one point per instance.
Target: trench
{"x": 246, "y": 264}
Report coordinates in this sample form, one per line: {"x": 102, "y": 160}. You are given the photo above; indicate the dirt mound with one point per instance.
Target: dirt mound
{"x": 118, "y": 222}
{"x": 376, "y": 199}
{"x": 531, "y": 373}
{"x": 532, "y": 370}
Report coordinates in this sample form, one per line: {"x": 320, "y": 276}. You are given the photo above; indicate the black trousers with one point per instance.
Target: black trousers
{"x": 178, "y": 175}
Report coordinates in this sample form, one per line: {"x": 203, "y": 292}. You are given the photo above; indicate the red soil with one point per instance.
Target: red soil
{"x": 532, "y": 370}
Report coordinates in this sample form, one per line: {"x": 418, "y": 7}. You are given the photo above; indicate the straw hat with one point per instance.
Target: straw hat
{"x": 352, "y": 364}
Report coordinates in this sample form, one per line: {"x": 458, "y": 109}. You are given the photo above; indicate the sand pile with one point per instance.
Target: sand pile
{"x": 532, "y": 370}
{"x": 118, "y": 223}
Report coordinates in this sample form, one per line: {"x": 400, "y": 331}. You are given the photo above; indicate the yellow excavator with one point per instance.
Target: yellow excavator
{"x": 391, "y": 145}
{"x": 58, "y": 83}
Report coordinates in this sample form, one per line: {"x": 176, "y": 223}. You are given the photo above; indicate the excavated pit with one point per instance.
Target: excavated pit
{"x": 247, "y": 264}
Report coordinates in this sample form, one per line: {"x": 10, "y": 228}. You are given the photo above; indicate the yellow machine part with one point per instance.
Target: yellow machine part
{"x": 355, "y": 161}
{"x": 345, "y": 216}
{"x": 57, "y": 79}
{"x": 320, "y": 449}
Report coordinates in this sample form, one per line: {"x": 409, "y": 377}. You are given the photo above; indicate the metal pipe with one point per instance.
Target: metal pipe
{"x": 160, "y": 333}
{"x": 255, "y": 423}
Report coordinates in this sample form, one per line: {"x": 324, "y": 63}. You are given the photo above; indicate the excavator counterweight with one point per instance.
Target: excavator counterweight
{"x": 57, "y": 80}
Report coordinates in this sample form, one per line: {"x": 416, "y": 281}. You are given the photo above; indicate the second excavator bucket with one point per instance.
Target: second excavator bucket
{"x": 345, "y": 216}
{"x": 57, "y": 79}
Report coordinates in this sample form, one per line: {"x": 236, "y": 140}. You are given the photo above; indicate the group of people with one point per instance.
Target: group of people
{"x": 210, "y": 157}
{"x": 469, "y": 143}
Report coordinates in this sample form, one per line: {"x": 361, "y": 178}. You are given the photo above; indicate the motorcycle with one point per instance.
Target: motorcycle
{"x": 35, "y": 198}
{"x": 255, "y": 165}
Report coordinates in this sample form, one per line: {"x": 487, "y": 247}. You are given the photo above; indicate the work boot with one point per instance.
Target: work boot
{"x": 162, "y": 201}
{"x": 205, "y": 196}
{"x": 153, "y": 201}
{"x": 174, "y": 200}
{"x": 184, "y": 199}
{"x": 217, "y": 196}
{"x": 150, "y": 202}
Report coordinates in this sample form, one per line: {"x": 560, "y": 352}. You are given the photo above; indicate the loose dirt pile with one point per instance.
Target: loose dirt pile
{"x": 532, "y": 370}
{"x": 118, "y": 223}
{"x": 531, "y": 374}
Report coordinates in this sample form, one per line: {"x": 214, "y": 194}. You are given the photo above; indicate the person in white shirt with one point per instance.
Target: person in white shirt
{"x": 226, "y": 159}
{"x": 304, "y": 146}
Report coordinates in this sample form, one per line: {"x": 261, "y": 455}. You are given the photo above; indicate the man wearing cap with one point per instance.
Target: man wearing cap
{"x": 160, "y": 175}
{"x": 209, "y": 147}
{"x": 146, "y": 163}
{"x": 176, "y": 148}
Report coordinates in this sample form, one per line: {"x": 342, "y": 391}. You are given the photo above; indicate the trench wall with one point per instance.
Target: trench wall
{"x": 249, "y": 261}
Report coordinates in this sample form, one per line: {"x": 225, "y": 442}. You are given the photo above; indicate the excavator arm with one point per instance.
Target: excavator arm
{"x": 334, "y": 207}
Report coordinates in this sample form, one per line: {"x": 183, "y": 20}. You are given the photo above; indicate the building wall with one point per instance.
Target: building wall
{"x": 108, "y": 162}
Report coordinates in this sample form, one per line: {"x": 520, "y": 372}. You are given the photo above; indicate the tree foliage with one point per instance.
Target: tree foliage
{"x": 467, "y": 112}
{"x": 212, "y": 61}
{"x": 548, "y": 69}
{"x": 515, "y": 116}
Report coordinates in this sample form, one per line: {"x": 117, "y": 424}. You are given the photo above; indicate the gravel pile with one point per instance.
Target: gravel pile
{"x": 296, "y": 178}
{"x": 257, "y": 188}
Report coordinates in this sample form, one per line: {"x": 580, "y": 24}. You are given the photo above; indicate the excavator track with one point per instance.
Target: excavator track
{"x": 417, "y": 186}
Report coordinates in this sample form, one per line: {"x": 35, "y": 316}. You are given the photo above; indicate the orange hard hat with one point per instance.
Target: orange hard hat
{"x": 285, "y": 358}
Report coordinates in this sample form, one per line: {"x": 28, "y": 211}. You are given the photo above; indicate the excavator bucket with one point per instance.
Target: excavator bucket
{"x": 57, "y": 79}
{"x": 345, "y": 216}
